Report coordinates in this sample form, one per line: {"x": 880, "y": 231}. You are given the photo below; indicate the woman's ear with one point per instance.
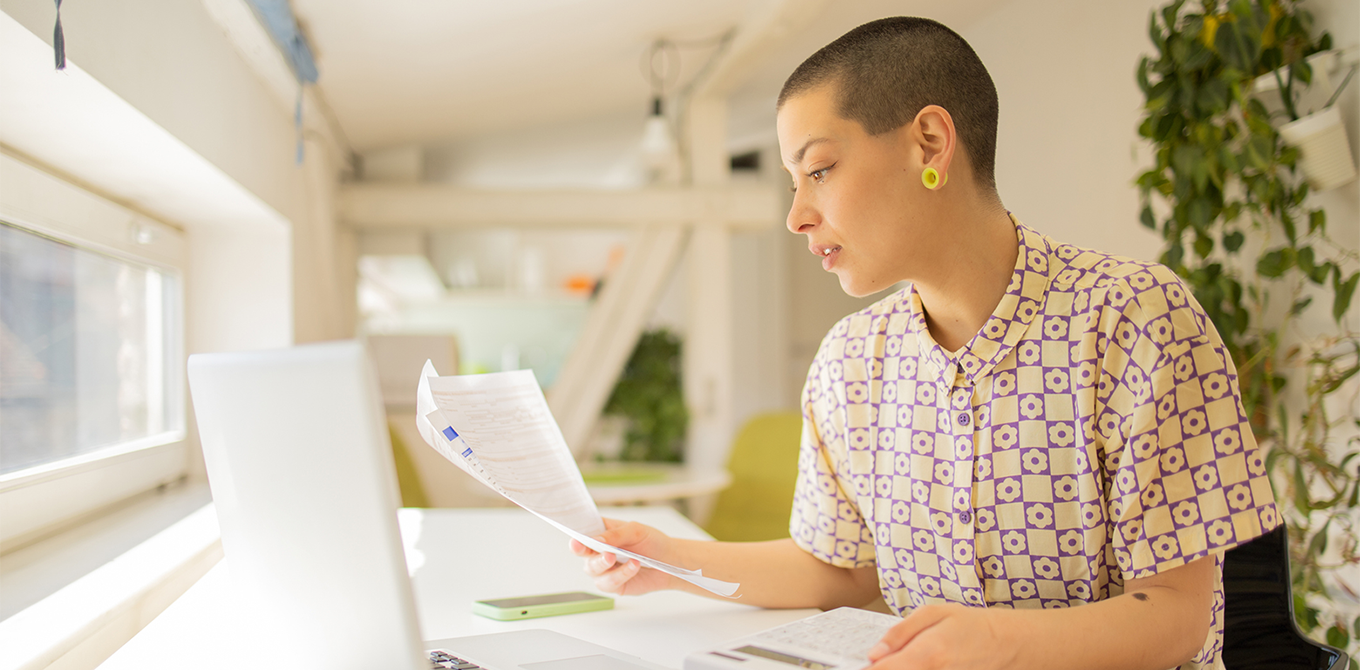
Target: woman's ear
{"x": 933, "y": 131}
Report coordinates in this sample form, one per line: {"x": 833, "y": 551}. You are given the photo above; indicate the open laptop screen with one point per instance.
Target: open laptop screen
{"x": 300, "y": 467}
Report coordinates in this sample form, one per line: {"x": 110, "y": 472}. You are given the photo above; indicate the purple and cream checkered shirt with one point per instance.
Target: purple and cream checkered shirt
{"x": 1091, "y": 430}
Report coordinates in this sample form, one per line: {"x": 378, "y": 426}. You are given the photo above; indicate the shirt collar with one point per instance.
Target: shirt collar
{"x": 1022, "y": 303}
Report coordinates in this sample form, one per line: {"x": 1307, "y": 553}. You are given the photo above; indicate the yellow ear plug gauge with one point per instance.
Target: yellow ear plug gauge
{"x": 932, "y": 180}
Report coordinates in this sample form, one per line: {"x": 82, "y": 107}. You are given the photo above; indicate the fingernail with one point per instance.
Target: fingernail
{"x": 877, "y": 651}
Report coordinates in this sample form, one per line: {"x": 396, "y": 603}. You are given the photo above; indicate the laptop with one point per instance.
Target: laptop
{"x": 298, "y": 458}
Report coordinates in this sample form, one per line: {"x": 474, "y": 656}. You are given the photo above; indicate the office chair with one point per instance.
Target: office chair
{"x": 1259, "y": 631}
{"x": 764, "y": 468}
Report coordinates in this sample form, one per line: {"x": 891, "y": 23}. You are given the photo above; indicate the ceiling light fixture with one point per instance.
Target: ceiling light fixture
{"x": 658, "y": 147}
{"x": 659, "y": 152}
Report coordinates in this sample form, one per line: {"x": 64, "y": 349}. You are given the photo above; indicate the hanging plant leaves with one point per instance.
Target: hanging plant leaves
{"x": 1172, "y": 256}
{"x": 1338, "y": 637}
{"x": 1234, "y": 47}
{"x": 1304, "y": 258}
{"x": 1217, "y": 156}
{"x": 1273, "y": 264}
{"x": 1287, "y": 222}
{"x": 1301, "y": 499}
{"x": 1204, "y": 245}
{"x": 1147, "y": 219}
{"x": 1233, "y": 241}
{"x": 1317, "y": 221}
{"x": 1344, "y": 291}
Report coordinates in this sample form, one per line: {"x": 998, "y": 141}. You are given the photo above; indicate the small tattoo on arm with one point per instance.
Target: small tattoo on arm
{"x": 1141, "y": 596}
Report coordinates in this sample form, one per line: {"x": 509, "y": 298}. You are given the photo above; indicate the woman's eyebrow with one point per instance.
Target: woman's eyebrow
{"x": 798, "y": 155}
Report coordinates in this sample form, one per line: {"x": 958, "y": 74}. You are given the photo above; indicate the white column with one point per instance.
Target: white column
{"x": 319, "y": 309}
{"x": 708, "y": 369}
{"x": 708, "y": 346}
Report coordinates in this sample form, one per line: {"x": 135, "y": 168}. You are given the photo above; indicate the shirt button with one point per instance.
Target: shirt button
{"x": 963, "y": 419}
{"x": 966, "y": 516}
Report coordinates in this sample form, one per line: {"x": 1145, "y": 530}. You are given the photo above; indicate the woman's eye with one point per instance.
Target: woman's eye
{"x": 818, "y": 176}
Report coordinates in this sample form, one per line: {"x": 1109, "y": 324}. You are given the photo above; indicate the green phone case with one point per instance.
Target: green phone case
{"x": 531, "y": 611}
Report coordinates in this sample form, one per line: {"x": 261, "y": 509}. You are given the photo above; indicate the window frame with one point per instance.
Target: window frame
{"x": 38, "y": 501}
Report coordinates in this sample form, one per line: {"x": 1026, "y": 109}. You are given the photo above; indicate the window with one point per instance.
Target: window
{"x": 88, "y": 347}
{"x": 92, "y": 393}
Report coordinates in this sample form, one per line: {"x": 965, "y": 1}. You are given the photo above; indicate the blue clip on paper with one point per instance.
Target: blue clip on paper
{"x": 452, "y": 435}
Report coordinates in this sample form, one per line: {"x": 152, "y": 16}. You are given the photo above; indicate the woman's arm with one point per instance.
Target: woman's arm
{"x": 1159, "y": 622}
{"x": 772, "y": 574}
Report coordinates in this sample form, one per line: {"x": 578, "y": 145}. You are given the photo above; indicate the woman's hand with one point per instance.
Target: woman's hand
{"x": 943, "y": 636}
{"x": 628, "y": 577}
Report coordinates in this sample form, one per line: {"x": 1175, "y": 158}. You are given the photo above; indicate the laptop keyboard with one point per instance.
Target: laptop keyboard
{"x": 443, "y": 659}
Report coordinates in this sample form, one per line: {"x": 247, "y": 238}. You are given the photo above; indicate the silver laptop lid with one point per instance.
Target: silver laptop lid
{"x": 301, "y": 471}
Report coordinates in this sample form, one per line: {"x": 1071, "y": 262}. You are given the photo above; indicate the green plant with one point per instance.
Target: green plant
{"x": 1235, "y": 216}
{"x": 649, "y": 396}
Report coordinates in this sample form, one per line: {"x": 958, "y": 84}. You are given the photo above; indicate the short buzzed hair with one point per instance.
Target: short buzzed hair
{"x": 887, "y": 70}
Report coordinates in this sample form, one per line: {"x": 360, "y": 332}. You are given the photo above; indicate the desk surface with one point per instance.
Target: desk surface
{"x": 462, "y": 555}
{"x": 610, "y": 483}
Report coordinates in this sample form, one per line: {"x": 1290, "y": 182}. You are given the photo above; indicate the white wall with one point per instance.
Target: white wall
{"x": 1064, "y": 73}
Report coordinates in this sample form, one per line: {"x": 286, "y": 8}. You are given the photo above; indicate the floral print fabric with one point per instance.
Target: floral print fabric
{"x": 1092, "y": 430}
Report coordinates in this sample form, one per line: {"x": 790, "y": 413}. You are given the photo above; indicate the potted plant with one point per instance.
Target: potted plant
{"x": 650, "y": 402}
{"x": 1317, "y": 130}
{"x": 1227, "y": 199}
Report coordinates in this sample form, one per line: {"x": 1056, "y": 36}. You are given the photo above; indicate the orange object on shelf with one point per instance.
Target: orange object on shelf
{"x": 579, "y": 284}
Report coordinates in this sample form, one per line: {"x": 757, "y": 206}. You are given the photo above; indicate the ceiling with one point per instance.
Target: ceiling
{"x": 422, "y": 72}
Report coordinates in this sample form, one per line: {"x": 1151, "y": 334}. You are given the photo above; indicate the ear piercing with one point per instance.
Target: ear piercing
{"x": 932, "y": 179}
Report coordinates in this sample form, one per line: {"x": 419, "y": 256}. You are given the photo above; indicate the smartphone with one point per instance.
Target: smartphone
{"x": 552, "y": 604}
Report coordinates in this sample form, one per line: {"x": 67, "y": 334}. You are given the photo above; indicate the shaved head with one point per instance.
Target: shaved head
{"x": 884, "y": 72}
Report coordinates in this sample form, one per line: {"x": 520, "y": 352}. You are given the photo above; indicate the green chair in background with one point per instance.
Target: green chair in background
{"x": 764, "y": 468}
{"x": 412, "y": 492}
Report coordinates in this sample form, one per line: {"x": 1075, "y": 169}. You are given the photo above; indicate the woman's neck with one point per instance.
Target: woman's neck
{"x": 969, "y": 277}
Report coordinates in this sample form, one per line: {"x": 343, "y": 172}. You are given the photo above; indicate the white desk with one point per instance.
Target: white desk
{"x": 611, "y": 483}
{"x": 521, "y": 555}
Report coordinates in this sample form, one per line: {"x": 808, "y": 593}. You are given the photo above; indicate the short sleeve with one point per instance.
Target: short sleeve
{"x": 1188, "y": 479}
{"x": 825, "y": 520}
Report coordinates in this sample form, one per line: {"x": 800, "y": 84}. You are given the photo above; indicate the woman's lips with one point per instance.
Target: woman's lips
{"x": 829, "y": 256}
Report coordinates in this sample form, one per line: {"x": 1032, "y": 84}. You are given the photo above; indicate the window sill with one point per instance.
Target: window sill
{"x": 118, "y": 572}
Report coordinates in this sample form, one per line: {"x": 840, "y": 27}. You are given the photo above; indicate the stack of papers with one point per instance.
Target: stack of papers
{"x": 497, "y": 428}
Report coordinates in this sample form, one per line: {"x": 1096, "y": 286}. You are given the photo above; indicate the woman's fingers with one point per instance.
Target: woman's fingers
{"x": 615, "y": 580}
{"x": 613, "y": 572}
{"x": 579, "y": 549}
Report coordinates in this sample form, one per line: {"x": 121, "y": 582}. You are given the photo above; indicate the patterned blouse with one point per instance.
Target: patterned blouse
{"x": 1091, "y": 430}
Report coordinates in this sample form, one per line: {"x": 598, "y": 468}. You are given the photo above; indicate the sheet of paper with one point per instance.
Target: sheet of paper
{"x": 497, "y": 428}
{"x": 695, "y": 577}
{"x": 505, "y": 419}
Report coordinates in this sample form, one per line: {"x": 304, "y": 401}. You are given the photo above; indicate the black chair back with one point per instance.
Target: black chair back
{"x": 1259, "y": 631}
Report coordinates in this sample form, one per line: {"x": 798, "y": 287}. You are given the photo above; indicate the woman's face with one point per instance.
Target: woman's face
{"x": 857, "y": 197}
